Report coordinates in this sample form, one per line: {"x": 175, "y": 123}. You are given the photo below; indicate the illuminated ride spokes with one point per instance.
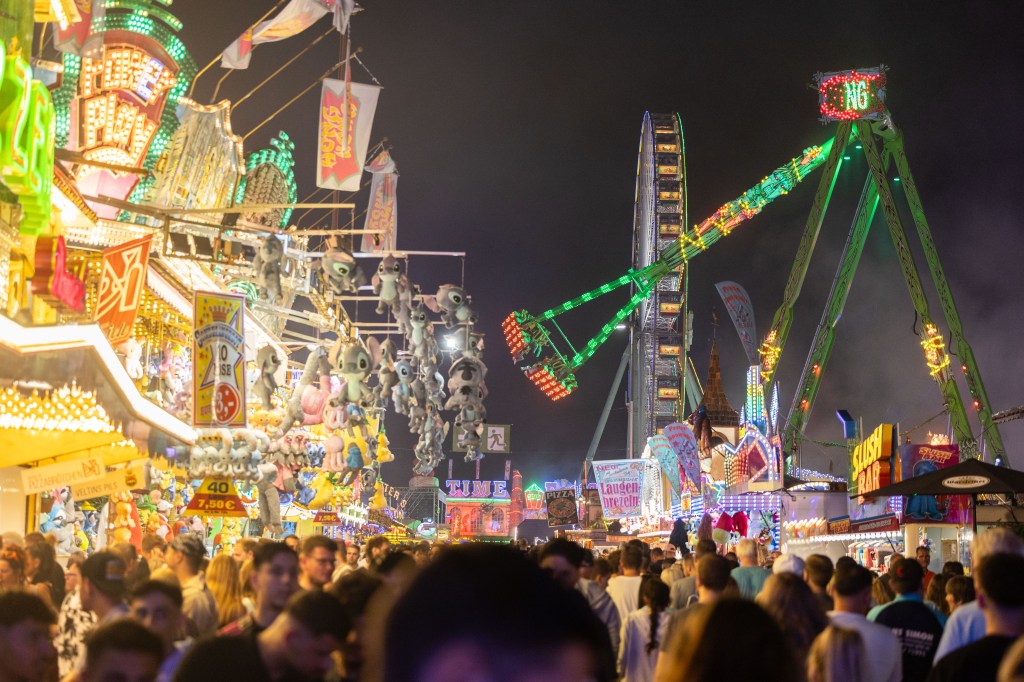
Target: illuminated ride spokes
{"x": 856, "y": 100}
{"x": 551, "y": 361}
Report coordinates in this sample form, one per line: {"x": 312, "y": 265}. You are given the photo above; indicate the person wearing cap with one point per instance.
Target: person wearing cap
{"x": 916, "y": 624}
{"x": 850, "y": 590}
{"x": 104, "y": 586}
{"x": 298, "y": 645}
{"x": 27, "y": 653}
{"x": 789, "y": 563}
{"x": 185, "y": 557}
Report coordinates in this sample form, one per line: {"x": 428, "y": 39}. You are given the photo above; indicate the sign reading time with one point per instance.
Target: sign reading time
{"x": 851, "y": 95}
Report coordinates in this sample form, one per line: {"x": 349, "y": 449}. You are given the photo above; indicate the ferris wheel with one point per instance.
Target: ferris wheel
{"x": 658, "y": 334}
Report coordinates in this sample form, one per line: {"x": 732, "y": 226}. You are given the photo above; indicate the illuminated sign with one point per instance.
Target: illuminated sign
{"x": 851, "y": 95}
{"x": 870, "y": 465}
{"x": 477, "y": 489}
{"x": 51, "y": 281}
{"x": 26, "y": 140}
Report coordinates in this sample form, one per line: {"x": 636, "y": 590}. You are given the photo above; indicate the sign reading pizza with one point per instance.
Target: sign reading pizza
{"x": 219, "y": 359}
{"x": 561, "y": 506}
{"x": 851, "y": 95}
{"x": 215, "y": 498}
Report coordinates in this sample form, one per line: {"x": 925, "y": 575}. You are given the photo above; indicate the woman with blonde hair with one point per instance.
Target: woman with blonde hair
{"x": 836, "y": 656}
{"x": 223, "y": 582}
{"x": 788, "y": 599}
{"x": 881, "y": 593}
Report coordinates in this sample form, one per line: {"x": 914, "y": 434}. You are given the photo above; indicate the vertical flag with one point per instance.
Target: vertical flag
{"x": 382, "y": 211}
{"x": 741, "y": 310}
{"x": 122, "y": 279}
{"x": 344, "y": 136}
{"x": 219, "y": 360}
{"x": 684, "y": 444}
{"x": 662, "y": 451}
{"x": 295, "y": 18}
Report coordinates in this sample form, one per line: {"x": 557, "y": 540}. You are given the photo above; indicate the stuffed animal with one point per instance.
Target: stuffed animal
{"x": 267, "y": 266}
{"x": 306, "y": 404}
{"x": 355, "y": 363}
{"x": 269, "y": 499}
{"x": 132, "y": 351}
{"x": 402, "y": 393}
{"x": 267, "y": 362}
{"x": 342, "y": 272}
{"x": 454, "y": 305}
{"x": 387, "y": 377}
{"x": 391, "y": 286}
{"x": 421, "y": 333}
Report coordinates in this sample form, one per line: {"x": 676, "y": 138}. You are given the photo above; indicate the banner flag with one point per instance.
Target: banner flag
{"x": 343, "y": 11}
{"x": 917, "y": 460}
{"x": 295, "y": 18}
{"x": 382, "y": 211}
{"x": 662, "y": 451}
{"x": 684, "y": 444}
{"x": 120, "y": 290}
{"x": 339, "y": 165}
{"x": 78, "y": 38}
{"x": 219, "y": 360}
{"x": 741, "y": 310}
{"x": 618, "y": 482}
{"x": 561, "y": 508}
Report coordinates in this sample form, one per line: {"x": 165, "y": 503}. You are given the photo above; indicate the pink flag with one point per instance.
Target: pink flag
{"x": 684, "y": 444}
{"x": 382, "y": 211}
{"x": 339, "y": 165}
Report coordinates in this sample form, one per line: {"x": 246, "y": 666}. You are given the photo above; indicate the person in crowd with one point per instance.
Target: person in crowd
{"x": 104, "y": 586}
{"x": 41, "y": 569}
{"x": 959, "y": 591}
{"x": 837, "y": 655}
{"x": 356, "y": 590}
{"x": 587, "y": 565}
{"x": 242, "y": 551}
{"x": 845, "y": 561}
{"x": 153, "y": 547}
{"x": 671, "y": 573}
{"x": 275, "y": 578}
{"x": 915, "y": 624}
{"x": 788, "y": 599}
{"x": 54, "y": 574}
{"x": 562, "y": 559}
{"x": 13, "y": 578}
{"x": 12, "y": 539}
{"x": 657, "y": 558}
{"x": 298, "y": 645}
{"x": 713, "y": 581}
{"x": 851, "y": 594}
{"x": 185, "y": 557}
{"x": 643, "y": 632}
{"x": 352, "y": 551}
{"x": 26, "y": 649}
{"x": 245, "y": 573}
{"x": 881, "y": 592}
{"x": 749, "y": 577}
{"x": 158, "y": 605}
{"x": 566, "y": 643}
{"x": 924, "y": 558}
{"x": 292, "y": 541}
{"x": 421, "y": 553}
{"x": 935, "y": 594}
{"x": 377, "y": 548}
{"x": 340, "y": 563}
{"x": 222, "y": 579}
{"x": 685, "y": 591}
{"x": 733, "y": 560}
{"x": 316, "y": 562}
{"x": 818, "y": 570}
{"x": 397, "y": 571}
{"x": 789, "y": 563}
{"x": 700, "y": 649}
{"x": 602, "y": 573}
{"x": 130, "y": 557}
{"x": 614, "y": 558}
{"x": 122, "y": 650}
{"x": 73, "y": 621}
{"x": 624, "y": 589}
{"x": 1001, "y": 599}
{"x": 953, "y": 568}
{"x": 967, "y": 623}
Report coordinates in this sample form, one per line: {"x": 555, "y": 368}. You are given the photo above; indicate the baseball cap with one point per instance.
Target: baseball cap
{"x": 106, "y": 571}
{"x": 788, "y": 563}
{"x": 189, "y": 545}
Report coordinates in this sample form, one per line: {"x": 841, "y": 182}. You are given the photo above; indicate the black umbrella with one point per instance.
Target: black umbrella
{"x": 970, "y": 477}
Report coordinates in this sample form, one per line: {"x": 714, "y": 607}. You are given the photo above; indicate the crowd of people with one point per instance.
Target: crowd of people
{"x": 316, "y": 609}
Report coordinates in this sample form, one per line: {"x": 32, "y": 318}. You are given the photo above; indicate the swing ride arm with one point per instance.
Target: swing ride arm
{"x": 775, "y": 340}
{"x": 968, "y": 363}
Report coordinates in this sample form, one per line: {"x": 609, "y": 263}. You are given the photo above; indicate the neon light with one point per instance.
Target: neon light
{"x": 934, "y": 350}
{"x": 851, "y": 95}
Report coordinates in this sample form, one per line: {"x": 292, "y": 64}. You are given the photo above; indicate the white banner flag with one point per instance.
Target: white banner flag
{"x": 382, "y": 210}
{"x": 295, "y": 18}
{"x": 339, "y": 165}
{"x": 741, "y": 310}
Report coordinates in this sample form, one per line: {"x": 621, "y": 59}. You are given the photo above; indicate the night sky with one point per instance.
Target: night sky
{"x": 515, "y": 128}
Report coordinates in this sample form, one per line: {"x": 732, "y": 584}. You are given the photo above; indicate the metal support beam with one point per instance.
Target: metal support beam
{"x": 603, "y": 421}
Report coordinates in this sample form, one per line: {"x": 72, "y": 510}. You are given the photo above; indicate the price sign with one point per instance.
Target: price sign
{"x": 215, "y": 498}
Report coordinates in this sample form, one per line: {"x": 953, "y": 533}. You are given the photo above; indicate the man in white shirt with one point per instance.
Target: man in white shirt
{"x": 851, "y": 593}
{"x": 967, "y": 624}
{"x": 625, "y": 589}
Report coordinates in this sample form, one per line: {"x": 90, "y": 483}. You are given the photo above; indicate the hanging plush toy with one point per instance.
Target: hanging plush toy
{"x": 267, "y": 362}
{"x": 402, "y": 393}
{"x": 132, "y": 351}
{"x": 267, "y": 266}
{"x": 306, "y": 404}
{"x": 453, "y": 303}
{"x": 421, "y": 333}
{"x": 270, "y": 500}
{"x": 342, "y": 272}
{"x": 387, "y": 376}
{"x": 355, "y": 363}
{"x": 740, "y": 524}
{"x": 391, "y": 286}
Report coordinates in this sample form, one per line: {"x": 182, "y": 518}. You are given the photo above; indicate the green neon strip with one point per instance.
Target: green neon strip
{"x": 145, "y": 8}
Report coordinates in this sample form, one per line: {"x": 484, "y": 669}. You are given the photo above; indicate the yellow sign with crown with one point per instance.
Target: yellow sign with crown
{"x": 218, "y": 359}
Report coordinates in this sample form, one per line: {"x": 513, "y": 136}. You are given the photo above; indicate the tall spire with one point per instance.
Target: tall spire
{"x": 720, "y": 412}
